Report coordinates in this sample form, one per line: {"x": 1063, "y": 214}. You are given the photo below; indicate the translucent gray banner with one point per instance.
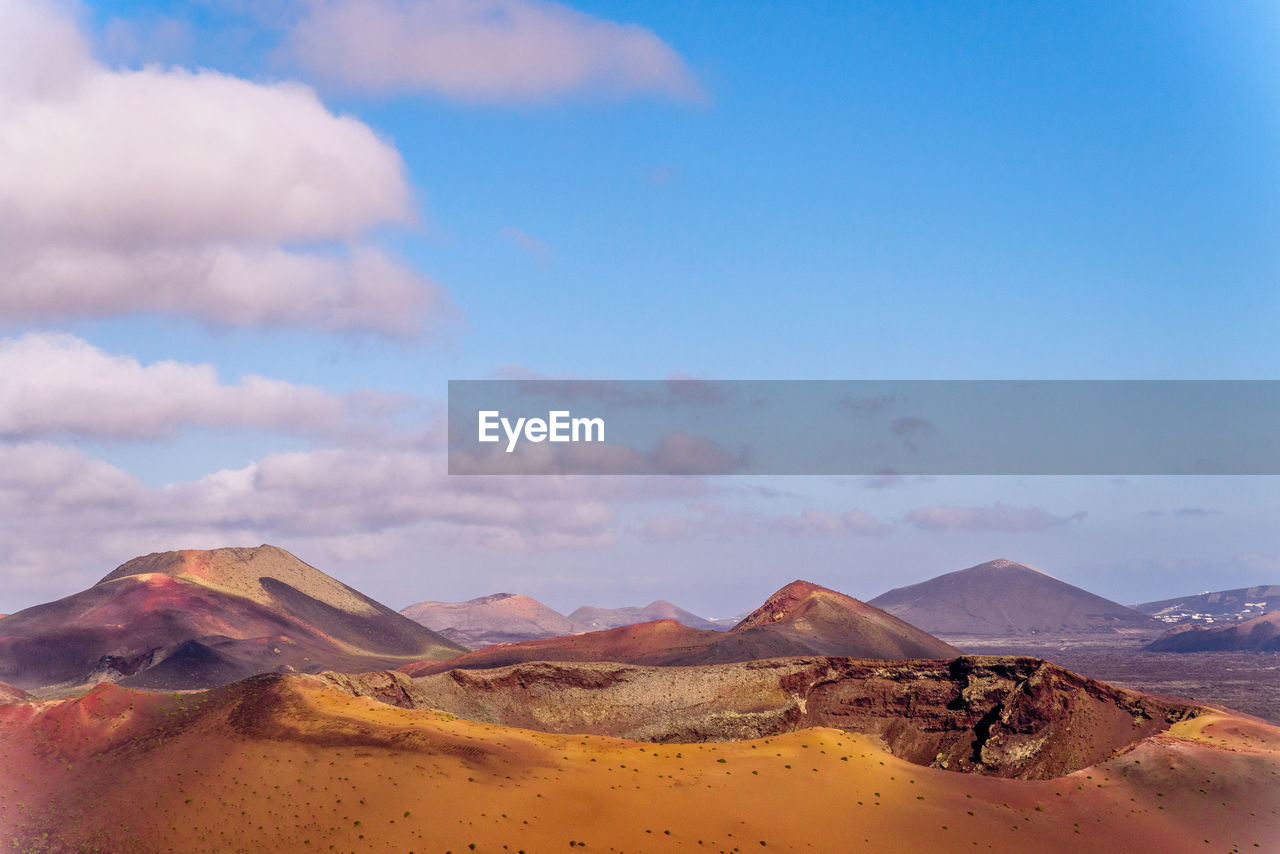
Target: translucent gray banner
{"x": 1136, "y": 427}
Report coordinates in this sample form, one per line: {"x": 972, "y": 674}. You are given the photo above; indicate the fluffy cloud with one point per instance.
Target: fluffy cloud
{"x": 715, "y": 520}
{"x": 57, "y": 384}
{"x": 811, "y": 521}
{"x": 188, "y": 192}
{"x": 38, "y": 479}
{"x": 356, "y": 491}
{"x": 482, "y": 50}
{"x": 1000, "y": 517}
{"x": 69, "y": 517}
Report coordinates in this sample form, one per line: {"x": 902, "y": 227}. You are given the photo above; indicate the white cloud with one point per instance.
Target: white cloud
{"x": 56, "y": 384}
{"x": 483, "y": 50}
{"x": 717, "y": 521}
{"x": 70, "y": 518}
{"x": 43, "y": 50}
{"x": 188, "y": 193}
{"x": 999, "y": 517}
{"x": 361, "y": 289}
{"x": 38, "y": 479}
{"x": 812, "y": 521}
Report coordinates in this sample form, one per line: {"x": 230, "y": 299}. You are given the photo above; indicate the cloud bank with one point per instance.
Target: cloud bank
{"x": 494, "y": 51}
{"x": 69, "y": 517}
{"x": 1000, "y": 517}
{"x": 56, "y": 385}
{"x": 178, "y": 192}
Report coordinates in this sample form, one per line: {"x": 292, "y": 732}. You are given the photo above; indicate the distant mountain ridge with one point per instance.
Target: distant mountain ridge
{"x": 800, "y": 619}
{"x": 487, "y": 620}
{"x": 1003, "y": 598}
{"x": 1242, "y": 603}
{"x": 1260, "y": 634}
{"x": 591, "y": 619}
{"x": 513, "y": 618}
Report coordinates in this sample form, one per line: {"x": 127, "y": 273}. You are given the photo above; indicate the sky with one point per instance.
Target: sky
{"x": 244, "y": 246}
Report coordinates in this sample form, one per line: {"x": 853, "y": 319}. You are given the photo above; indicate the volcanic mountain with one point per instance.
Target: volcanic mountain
{"x": 1007, "y": 599}
{"x": 594, "y": 619}
{"x": 991, "y": 715}
{"x": 1260, "y": 634}
{"x": 1239, "y": 604}
{"x": 807, "y": 619}
{"x": 800, "y": 619}
{"x": 500, "y": 618}
{"x": 191, "y": 619}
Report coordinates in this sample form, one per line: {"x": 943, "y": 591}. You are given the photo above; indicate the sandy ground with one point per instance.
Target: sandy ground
{"x": 303, "y": 767}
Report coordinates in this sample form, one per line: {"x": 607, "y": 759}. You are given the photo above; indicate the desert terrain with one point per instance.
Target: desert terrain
{"x": 240, "y": 700}
{"x": 294, "y": 763}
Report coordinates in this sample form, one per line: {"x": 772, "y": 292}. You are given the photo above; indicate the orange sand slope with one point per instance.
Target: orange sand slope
{"x": 293, "y": 764}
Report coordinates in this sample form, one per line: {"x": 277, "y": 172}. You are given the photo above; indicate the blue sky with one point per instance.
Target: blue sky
{"x": 748, "y": 190}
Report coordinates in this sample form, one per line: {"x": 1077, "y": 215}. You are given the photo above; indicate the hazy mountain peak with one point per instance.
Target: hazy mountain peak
{"x": 1004, "y": 597}
{"x": 496, "y": 618}
{"x": 498, "y": 597}
{"x": 592, "y": 618}
{"x": 1006, "y": 564}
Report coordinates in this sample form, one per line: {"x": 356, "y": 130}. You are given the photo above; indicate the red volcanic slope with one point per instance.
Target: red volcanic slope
{"x": 821, "y": 621}
{"x": 657, "y": 643}
{"x": 194, "y": 619}
{"x": 800, "y": 619}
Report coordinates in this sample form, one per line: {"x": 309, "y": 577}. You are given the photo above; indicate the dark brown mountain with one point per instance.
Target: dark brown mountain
{"x": 1002, "y": 598}
{"x": 500, "y": 618}
{"x": 1243, "y": 603}
{"x": 193, "y": 619}
{"x": 591, "y": 619}
{"x": 1260, "y": 634}
{"x": 800, "y": 619}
